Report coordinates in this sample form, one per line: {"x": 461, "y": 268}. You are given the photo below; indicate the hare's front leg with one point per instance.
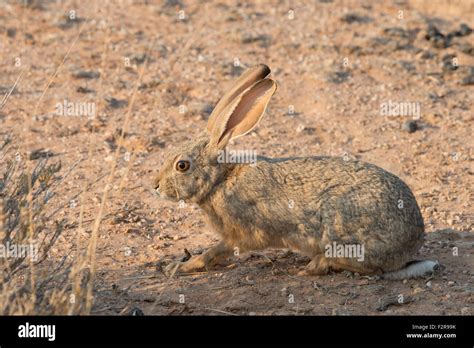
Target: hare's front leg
{"x": 211, "y": 257}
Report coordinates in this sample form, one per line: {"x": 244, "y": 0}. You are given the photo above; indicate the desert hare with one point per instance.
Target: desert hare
{"x": 313, "y": 205}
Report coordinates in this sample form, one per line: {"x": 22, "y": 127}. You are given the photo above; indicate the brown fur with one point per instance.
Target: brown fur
{"x": 303, "y": 204}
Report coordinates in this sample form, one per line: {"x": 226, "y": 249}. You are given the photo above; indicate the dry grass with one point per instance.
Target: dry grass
{"x": 28, "y": 286}
{"x": 24, "y": 199}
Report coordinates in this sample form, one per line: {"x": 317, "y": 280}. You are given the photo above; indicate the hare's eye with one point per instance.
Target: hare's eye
{"x": 182, "y": 165}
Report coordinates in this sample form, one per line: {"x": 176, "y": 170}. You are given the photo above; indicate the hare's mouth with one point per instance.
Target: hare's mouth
{"x": 165, "y": 192}
{"x": 166, "y": 196}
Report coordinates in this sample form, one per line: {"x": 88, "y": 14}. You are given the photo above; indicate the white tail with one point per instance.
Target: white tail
{"x": 413, "y": 269}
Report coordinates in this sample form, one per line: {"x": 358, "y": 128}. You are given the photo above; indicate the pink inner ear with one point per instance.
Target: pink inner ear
{"x": 245, "y": 81}
{"x": 248, "y": 101}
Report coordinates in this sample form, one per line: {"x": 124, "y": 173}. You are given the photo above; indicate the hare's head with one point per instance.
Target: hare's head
{"x": 192, "y": 170}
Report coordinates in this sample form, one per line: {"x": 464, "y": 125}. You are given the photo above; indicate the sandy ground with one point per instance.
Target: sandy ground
{"x": 336, "y": 62}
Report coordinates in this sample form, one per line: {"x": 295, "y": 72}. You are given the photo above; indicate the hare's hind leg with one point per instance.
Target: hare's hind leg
{"x": 319, "y": 265}
{"x": 211, "y": 257}
{"x": 343, "y": 264}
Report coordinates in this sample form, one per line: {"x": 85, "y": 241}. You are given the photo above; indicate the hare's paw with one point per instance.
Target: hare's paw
{"x": 193, "y": 264}
{"x": 172, "y": 268}
{"x": 317, "y": 266}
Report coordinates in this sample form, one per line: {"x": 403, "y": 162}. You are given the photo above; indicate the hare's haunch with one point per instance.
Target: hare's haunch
{"x": 344, "y": 214}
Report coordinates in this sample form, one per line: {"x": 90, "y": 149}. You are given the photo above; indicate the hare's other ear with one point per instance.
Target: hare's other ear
{"x": 247, "y": 79}
{"x": 243, "y": 113}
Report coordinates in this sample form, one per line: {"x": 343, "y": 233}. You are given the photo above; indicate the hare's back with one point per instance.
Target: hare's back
{"x": 353, "y": 194}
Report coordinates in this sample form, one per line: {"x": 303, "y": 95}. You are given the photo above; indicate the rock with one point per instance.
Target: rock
{"x": 437, "y": 38}
{"x": 11, "y": 32}
{"x": 466, "y": 48}
{"x": 262, "y": 40}
{"x": 468, "y": 80}
{"x": 85, "y": 74}
{"x": 338, "y": 77}
{"x": 408, "y": 66}
{"x": 40, "y": 153}
{"x": 236, "y": 70}
{"x": 173, "y": 3}
{"x": 116, "y": 103}
{"x": 400, "y": 32}
{"x": 463, "y": 30}
{"x": 464, "y": 310}
{"x": 449, "y": 63}
{"x": 384, "y": 302}
{"x": 206, "y": 110}
{"x": 427, "y": 55}
{"x": 135, "y": 311}
{"x": 432, "y": 32}
{"x": 355, "y": 18}
{"x": 410, "y": 126}
{"x": 139, "y": 58}
{"x": 69, "y": 22}
{"x": 84, "y": 90}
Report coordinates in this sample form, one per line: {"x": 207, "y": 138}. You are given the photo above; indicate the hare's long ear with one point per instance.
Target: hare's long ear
{"x": 243, "y": 113}
{"x": 247, "y": 79}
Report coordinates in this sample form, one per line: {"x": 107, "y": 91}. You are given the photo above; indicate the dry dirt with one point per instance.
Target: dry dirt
{"x": 336, "y": 63}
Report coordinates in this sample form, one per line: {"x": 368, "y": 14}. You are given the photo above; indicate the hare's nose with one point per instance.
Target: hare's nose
{"x": 157, "y": 189}
{"x": 156, "y": 184}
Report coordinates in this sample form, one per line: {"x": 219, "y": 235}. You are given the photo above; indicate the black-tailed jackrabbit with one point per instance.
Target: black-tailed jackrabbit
{"x": 324, "y": 207}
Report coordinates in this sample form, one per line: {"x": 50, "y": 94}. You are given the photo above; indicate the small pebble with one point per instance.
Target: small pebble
{"x": 410, "y": 126}
{"x": 11, "y": 32}
{"x": 116, "y": 103}
{"x": 84, "y": 74}
{"x": 468, "y": 80}
{"x": 464, "y": 29}
{"x": 449, "y": 63}
{"x": 136, "y": 312}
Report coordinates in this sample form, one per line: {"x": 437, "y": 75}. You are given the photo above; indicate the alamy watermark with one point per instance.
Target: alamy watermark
{"x": 37, "y": 331}
{"x": 14, "y": 251}
{"x": 67, "y": 108}
{"x": 335, "y": 250}
{"x": 391, "y": 108}
{"x": 237, "y": 156}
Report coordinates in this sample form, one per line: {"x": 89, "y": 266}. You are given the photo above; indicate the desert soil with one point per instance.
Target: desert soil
{"x": 336, "y": 63}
